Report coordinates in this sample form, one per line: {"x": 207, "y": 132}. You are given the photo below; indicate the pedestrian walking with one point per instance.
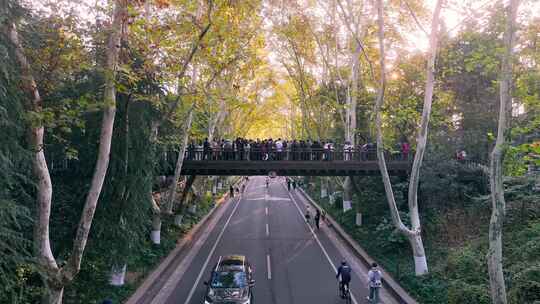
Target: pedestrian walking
{"x": 308, "y": 216}
{"x": 243, "y": 188}
{"x": 288, "y": 184}
{"x": 375, "y": 283}
{"x": 317, "y": 218}
{"x": 294, "y": 185}
{"x": 231, "y": 191}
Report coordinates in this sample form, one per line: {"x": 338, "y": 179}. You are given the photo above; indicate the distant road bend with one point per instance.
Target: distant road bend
{"x": 292, "y": 263}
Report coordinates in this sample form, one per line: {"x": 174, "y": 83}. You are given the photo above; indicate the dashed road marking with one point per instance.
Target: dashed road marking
{"x": 268, "y": 267}
{"x": 190, "y": 295}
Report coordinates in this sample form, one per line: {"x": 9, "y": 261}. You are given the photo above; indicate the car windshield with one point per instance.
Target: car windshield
{"x": 229, "y": 279}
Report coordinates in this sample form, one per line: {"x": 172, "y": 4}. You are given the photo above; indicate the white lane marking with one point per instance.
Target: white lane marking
{"x": 268, "y": 267}
{"x": 318, "y": 242}
{"x": 266, "y": 211}
{"x": 267, "y": 230}
{"x": 190, "y": 295}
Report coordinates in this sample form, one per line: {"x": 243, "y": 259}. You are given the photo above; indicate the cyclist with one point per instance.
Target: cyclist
{"x": 345, "y": 272}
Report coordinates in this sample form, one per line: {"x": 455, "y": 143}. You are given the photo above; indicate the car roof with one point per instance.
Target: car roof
{"x": 231, "y": 262}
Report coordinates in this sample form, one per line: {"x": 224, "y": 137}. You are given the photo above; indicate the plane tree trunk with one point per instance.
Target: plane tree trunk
{"x": 179, "y": 162}
{"x": 414, "y": 233}
{"x": 498, "y": 208}
{"x": 55, "y": 277}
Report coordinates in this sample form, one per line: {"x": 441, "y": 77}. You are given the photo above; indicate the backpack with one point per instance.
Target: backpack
{"x": 375, "y": 278}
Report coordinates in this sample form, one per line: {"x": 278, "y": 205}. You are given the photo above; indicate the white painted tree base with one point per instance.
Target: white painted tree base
{"x": 220, "y": 186}
{"x": 178, "y": 220}
{"x": 420, "y": 265}
{"x": 347, "y": 205}
{"x": 331, "y": 199}
{"x": 214, "y": 189}
{"x": 358, "y": 219}
{"x": 118, "y": 276}
{"x": 324, "y": 193}
{"x": 155, "y": 236}
{"x": 193, "y": 209}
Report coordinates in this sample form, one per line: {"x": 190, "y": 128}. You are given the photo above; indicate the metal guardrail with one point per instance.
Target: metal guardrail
{"x": 313, "y": 154}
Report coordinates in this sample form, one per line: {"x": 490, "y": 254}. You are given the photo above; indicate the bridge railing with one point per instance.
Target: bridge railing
{"x": 313, "y": 154}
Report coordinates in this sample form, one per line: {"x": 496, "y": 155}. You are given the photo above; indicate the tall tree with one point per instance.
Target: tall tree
{"x": 414, "y": 233}
{"x": 495, "y": 255}
{"x": 55, "y": 276}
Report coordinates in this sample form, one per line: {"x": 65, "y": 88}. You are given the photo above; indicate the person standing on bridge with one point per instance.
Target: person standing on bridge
{"x": 405, "y": 149}
{"x": 207, "y": 150}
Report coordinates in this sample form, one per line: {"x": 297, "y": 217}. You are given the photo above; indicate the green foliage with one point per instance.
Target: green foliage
{"x": 525, "y": 285}
{"x": 389, "y": 238}
{"x": 461, "y": 292}
{"x": 467, "y": 265}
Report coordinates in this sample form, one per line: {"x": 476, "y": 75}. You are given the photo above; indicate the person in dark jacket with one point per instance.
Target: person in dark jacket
{"x": 207, "y": 150}
{"x": 345, "y": 272}
{"x": 317, "y": 218}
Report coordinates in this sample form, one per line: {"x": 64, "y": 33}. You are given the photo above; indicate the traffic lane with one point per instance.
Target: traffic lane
{"x": 359, "y": 285}
{"x": 245, "y": 235}
{"x": 185, "y": 284}
{"x": 302, "y": 273}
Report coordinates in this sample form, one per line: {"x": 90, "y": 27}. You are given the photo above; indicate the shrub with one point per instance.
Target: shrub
{"x": 461, "y": 292}
{"x": 467, "y": 265}
{"x": 526, "y": 286}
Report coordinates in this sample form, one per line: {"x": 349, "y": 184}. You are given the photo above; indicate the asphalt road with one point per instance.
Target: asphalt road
{"x": 292, "y": 262}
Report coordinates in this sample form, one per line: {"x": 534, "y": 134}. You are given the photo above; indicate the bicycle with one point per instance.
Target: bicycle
{"x": 344, "y": 292}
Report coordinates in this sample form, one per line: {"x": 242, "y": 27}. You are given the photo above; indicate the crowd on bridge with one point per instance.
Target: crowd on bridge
{"x": 291, "y": 150}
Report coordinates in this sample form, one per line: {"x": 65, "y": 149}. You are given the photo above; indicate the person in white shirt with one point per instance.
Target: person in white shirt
{"x": 375, "y": 283}
{"x": 347, "y": 150}
{"x": 279, "y": 148}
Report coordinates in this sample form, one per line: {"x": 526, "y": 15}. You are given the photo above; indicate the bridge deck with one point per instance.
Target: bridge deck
{"x": 291, "y": 168}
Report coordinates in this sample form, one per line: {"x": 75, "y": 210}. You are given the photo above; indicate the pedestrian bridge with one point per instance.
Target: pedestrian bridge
{"x": 287, "y": 163}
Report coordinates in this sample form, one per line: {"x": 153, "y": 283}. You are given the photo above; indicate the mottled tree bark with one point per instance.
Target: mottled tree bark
{"x": 54, "y": 276}
{"x": 495, "y": 255}
{"x": 414, "y": 233}
{"x": 179, "y": 162}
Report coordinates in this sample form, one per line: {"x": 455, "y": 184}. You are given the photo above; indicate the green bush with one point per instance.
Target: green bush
{"x": 466, "y": 264}
{"x": 526, "y": 286}
{"x": 461, "y": 292}
{"x": 428, "y": 289}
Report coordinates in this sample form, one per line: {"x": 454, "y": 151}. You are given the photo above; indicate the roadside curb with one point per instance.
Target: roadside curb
{"x": 388, "y": 281}
{"x": 173, "y": 255}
